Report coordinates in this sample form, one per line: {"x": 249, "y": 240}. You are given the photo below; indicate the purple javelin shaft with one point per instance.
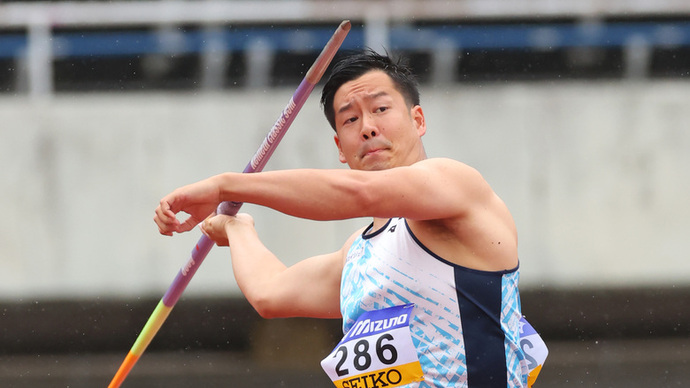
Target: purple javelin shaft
{"x": 258, "y": 162}
{"x": 261, "y": 157}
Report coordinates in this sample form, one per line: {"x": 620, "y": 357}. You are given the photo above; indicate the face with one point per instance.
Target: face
{"x": 375, "y": 129}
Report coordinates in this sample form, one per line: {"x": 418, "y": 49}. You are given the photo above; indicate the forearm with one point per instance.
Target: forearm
{"x": 312, "y": 194}
{"x": 254, "y": 267}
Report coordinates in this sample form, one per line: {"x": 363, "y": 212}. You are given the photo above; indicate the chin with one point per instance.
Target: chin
{"x": 372, "y": 163}
{"x": 376, "y": 166}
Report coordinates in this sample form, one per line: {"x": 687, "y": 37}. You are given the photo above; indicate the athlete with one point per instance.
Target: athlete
{"x": 440, "y": 241}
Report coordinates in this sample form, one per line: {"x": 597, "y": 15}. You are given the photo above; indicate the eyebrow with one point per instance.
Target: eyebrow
{"x": 368, "y": 97}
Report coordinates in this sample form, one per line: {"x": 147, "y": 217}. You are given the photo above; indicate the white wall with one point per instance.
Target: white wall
{"x": 596, "y": 176}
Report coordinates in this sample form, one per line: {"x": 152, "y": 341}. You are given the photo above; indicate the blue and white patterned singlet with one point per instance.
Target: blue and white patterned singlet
{"x": 465, "y": 325}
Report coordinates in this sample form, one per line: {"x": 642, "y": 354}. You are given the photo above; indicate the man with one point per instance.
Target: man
{"x": 441, "y": 240}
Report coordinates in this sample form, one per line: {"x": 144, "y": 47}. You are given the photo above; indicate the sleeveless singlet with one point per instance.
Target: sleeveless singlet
{"x": 465, "y": 324}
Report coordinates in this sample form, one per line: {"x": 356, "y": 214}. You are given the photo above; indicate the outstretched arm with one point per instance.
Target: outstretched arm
{"x": 429, "y": 189}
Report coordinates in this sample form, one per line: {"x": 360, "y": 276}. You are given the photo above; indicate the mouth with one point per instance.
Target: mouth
{"x": 373, "y": 149}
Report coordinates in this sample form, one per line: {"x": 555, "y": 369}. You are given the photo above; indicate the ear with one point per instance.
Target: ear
{"x": 417, "y": 115}
{"x": 341, "y": 156}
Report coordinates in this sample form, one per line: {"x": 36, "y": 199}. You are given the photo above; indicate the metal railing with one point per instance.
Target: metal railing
{"x": 38, "y": 33}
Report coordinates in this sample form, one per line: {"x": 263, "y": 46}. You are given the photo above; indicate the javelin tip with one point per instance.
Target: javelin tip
{"x": 345, "y": 25}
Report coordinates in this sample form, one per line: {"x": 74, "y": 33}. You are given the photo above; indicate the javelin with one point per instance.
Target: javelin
{"x": 257, "y": 163}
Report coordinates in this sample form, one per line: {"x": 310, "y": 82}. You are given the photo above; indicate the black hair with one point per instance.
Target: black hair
{"x": 356, "y": 64}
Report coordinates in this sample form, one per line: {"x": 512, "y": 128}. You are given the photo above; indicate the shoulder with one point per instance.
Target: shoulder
{"x": 348, "y": 243}
{"x": 445, "y": 164}
{"x": 453, "y": 172}
{"x": 448, "y": 166}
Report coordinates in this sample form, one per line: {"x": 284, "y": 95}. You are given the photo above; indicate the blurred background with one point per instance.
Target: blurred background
{"x": 576, "y": 112}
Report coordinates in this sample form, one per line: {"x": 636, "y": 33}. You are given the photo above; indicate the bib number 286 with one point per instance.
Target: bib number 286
{"x": 377, "y": 351}
{"x": 385, "y": 353}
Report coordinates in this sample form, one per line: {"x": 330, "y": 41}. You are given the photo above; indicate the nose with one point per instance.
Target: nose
{"x": 369, "y": 135}
{"x": 369, "y": 130}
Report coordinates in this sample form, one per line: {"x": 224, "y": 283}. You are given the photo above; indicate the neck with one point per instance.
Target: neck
{"x": 379, "y": 222}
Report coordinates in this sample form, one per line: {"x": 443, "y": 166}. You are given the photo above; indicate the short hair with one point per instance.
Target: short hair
{"x": 356, "y": 64}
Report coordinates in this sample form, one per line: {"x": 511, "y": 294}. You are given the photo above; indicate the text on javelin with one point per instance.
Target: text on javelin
{"x": 273, "y": 134}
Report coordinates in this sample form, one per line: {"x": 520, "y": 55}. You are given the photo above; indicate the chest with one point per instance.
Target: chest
{"x": 391, "y": 269}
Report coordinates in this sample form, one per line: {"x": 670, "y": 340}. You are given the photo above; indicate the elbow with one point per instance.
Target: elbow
{"x": 265, "y": 311}
{"x": 267, "y": 307}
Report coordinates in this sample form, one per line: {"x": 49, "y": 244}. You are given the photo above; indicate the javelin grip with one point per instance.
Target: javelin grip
{"x": 256, "y": 164}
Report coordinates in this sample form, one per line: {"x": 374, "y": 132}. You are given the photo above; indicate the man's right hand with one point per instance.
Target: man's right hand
{"x": 199, "y": 200}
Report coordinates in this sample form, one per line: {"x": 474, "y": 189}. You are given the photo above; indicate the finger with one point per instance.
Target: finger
{"x": 186, "y": 226}
{"x": 222, "y": 242}
{"x": 166, "y": 212}
{"x": 165, "y": 219}
{"x": 163, "y": 228}
{"x": 202, "y": 227}
{"x": 206, "y": 228}
{"x": 213, "y": 229}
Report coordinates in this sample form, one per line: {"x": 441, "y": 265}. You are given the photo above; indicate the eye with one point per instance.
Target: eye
{"x": 351, "y": 120}
{"x": 381, "y": 109}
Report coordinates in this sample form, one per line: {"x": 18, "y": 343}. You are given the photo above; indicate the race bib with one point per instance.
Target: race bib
{"x": 376, "y": 352}
{"x": 534, "y": 348}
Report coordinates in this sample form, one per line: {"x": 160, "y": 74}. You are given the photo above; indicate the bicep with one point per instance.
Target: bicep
{"x": 431, "y": 189}
{"x": 316, "y": 283}
{"x": 311, "y": 287}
